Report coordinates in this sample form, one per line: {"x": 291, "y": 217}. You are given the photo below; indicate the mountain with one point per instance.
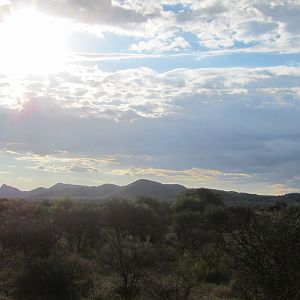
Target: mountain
{"x": 7, "y": 191}
{"x": 236, "y": 198}
{"x": 149, "y": 188}
{"x": 60, "y": 190}
{"x": 71, "y": 191}
{"x": 142, "y": 187}
{"x": 35, "y": 192}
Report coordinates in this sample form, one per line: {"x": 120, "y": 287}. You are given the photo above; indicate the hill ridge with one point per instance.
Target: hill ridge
{"x": 140, "y": 187}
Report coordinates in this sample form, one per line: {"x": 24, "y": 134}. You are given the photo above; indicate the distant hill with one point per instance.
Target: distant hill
{"x": 7, "y": 191}
{"x": 235, "y": 198}
{"x": 61, "y": 190}
{"x": 142, "y": 187}
{"x": 138, "y": 188}
{"x": 149, "y": 188}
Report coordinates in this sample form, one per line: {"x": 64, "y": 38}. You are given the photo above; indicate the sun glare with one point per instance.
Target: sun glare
{"x": 32, "y": 43}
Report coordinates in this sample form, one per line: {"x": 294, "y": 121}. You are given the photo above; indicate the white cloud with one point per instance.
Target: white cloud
{"x": 222, "y": 25}
{"x": 215, "y": 125}
{"x": 143, "y": 93}
{"x": 233, "y": 120}
{"x": 96, "y": 57}
{"x": 62, "y": 162}
{"x": 89, "y": 12}
{"x": 162, "y": 45}
{"x": 272, "y": 25}
{"x": 193, "y": 176}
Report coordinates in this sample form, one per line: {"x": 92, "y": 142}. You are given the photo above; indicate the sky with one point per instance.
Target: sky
{"x": 203, "y": 93}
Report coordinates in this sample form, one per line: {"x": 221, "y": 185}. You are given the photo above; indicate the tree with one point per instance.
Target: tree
{"x": 197, "y": 215}
{"x": 175, "y": 285}
{"x": 130, "y": 259}
{"x": 128, "y": 251}
{"x": 151, "y": 219}
{"x": 80, "y": 226}
{"x": 196, "y": 199}
{"x": 55, "y": 277}
{"x": 119, "y": 215}
{"x": 264, "y": 248}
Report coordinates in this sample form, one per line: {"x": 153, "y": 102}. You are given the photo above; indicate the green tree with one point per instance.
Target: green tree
{"x": 264, "y": 248}
{"x": 198, "y": 214}
{"x": 130, "y": 259}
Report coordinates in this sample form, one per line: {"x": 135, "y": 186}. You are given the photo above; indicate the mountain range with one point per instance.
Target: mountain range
{"x": 142, "y": 187}
{"x": 135, "y": 189}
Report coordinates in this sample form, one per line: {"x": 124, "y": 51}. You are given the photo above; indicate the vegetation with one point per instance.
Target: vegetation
{"x": 192, "y": 248}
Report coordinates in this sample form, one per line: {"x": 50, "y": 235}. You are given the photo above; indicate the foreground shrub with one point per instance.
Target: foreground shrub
{"x": 53, "y": 278}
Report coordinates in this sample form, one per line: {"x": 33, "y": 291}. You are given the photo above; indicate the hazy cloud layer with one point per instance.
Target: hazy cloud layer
{"x": 237, "y": 125}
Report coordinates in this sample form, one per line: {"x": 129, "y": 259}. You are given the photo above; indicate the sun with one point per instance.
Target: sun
{"x": 32, "y": 43}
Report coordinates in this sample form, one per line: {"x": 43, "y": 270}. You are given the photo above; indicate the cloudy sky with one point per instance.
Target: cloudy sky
{"x": 205, "y": 93}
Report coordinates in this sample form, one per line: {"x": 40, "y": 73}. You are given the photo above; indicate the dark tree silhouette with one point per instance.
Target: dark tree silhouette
{"x": 265, "y": 250}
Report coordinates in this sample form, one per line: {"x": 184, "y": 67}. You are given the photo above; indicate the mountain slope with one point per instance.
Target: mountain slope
{"x": 142, "y": 187}
{"x": 149, "y": 188}
{"x": 61, "y": 190}
{"x": 7, "y": 191}
{"x": 236, "y": 198}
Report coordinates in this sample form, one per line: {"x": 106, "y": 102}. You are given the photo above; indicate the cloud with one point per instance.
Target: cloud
{"x": 162, "y": 45}
{"x": 96, "y": 57}
{"x": 224, "y": 124}
{"x": 131, "y": 94}
{"x": 257, "y": 30}
{"x": 286, "y": 13}
{"x": 251, "y": 24}
{"x": 237, "y": 24}
{"x": 89, "y": 12}
{"x": 61, "y": 162}
{"x": 3, "y": 173}
{"x": 193, "y": 176}
{"x": 236, "y": 121}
